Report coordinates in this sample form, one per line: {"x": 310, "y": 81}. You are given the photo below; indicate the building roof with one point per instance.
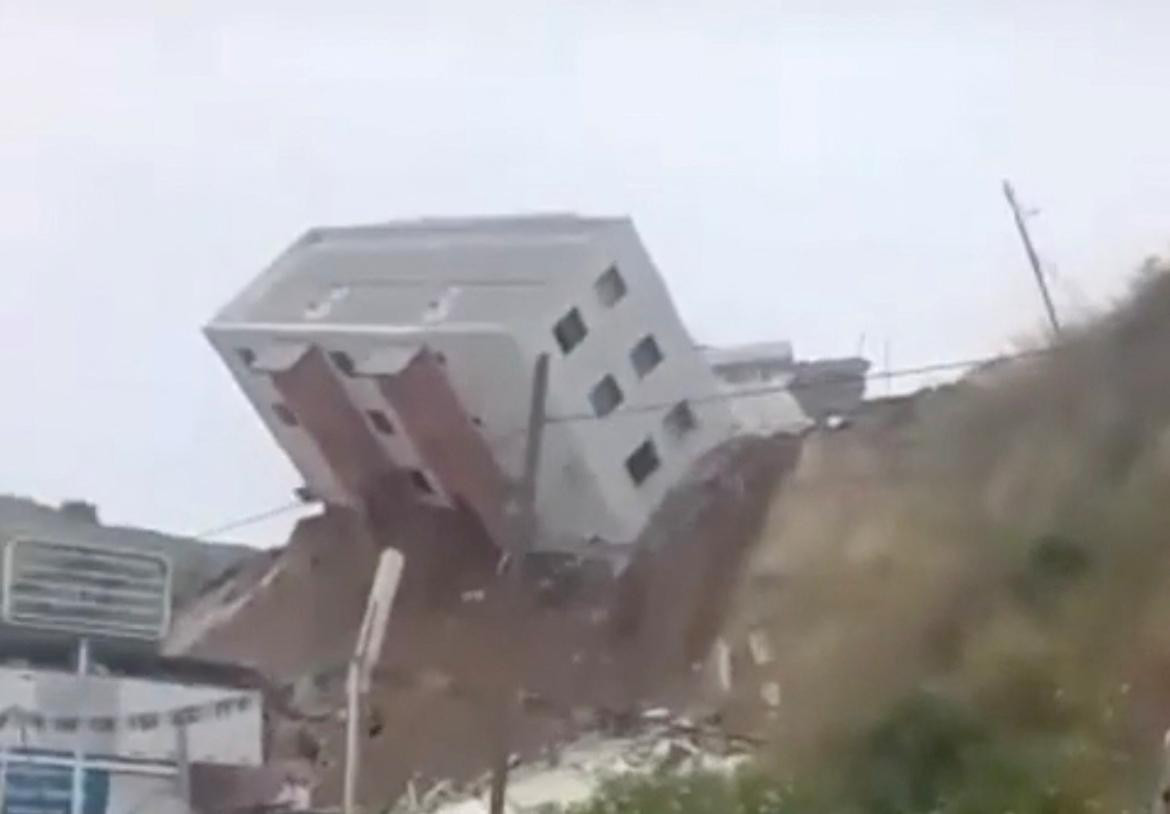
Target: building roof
{"x": 767, "y": 353}
{"x": 449, "y": 270}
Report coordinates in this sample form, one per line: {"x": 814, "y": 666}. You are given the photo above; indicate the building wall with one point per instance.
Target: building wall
{"x": 587, "y": 446}
{"x": 231, "y": 736}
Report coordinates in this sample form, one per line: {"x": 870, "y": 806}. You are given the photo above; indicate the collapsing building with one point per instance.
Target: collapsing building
{"x": 402, "y": 356}
{"x": 92, "y": 720}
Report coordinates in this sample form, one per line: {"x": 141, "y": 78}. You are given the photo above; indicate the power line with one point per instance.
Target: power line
{"x": 790, "y": 387}
{"x": 248, "y": 520}
{"x": 829, "y": 380}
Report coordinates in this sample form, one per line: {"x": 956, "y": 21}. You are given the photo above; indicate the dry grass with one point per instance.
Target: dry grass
{"x": 1003, "y": 542}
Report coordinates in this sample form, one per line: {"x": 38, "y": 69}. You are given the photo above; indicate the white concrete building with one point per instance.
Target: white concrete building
{"x": 406, "y": 351}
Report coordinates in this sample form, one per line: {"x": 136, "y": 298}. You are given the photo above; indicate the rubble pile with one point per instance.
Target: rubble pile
{"x": 565, "y": 774}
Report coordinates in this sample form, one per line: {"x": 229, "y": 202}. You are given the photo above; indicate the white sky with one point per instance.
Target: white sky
{"x": 814, "y": 170}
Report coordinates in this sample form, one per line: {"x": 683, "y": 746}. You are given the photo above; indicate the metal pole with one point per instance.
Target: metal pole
{"x": 525, "y": 539}
{"x": 183, "y": 777}
{"x": 78, "y": 802}
{"x": 1033, "y": 258}
{"x": 366, "y": 651}
{"x": 352, "y": 736}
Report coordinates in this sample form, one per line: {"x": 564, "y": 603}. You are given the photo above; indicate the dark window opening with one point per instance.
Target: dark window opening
{"x": 642, "y": 462}
{"x": 343, "y": 362}
{"x": 605, "y": 396}
{"x": 646, "y": 355}
{"x": 287, "y": 416}
{"x": 247, "y": 356}
{"x": 421, "y": 482}
{"x": 381, "y": 421}
{"x": 569, "y": 330}
{"x": 610, "y": 287}
{"x": 680, "y": 421}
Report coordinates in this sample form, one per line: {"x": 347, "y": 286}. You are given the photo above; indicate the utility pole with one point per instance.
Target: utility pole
{"x": 1033, "y": 258}
{"x": 512, "y": 663}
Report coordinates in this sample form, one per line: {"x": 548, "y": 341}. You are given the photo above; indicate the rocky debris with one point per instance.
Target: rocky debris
{"x": 563, "y": 774}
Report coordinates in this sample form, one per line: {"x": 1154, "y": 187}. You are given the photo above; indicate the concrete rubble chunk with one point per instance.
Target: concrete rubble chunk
{"x": 760, "y": 647}
{"x": 661, "y": 742}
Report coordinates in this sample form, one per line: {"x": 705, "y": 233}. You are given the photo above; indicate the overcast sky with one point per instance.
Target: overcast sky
{"x": 819, "y": 171}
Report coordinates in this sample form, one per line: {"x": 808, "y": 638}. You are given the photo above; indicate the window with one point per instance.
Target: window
{"x": 381, "y": 421}
{"x": 642, "y": 462}
{"x": 342, "y": 361}
{"x": 605, "y": 396}
{"x": 645, "y": 356}
{"x": 680, "y": 421}
{"x": 610, "y": 287}
{"x": 247, "y": 356}
{"x": 421, "y": 482}
{"x": 569, "y": 330}
{"x": 285, "y": 414}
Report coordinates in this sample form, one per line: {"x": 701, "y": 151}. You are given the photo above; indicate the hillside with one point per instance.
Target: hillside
{"x": 999, "y": 550}
{"x": 959, "y": 598}
{"x": 195, "y": 562}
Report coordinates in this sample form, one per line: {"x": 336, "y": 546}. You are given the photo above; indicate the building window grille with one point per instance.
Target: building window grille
{"x": 680, "y": 421}
{"x": 569, "y": 331}
{"x": 610, "y": 287}
{"x": 381, "y": 422}
{"x": 605, "y": 396}
{"x": 645, "y": 356}
{"x": 642, "y": 462}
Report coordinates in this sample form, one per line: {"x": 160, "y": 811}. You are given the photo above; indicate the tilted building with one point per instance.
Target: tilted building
{"x": 405, "y": 352}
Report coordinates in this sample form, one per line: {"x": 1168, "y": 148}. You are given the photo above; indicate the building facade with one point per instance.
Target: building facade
{"x": 405, "y": 353}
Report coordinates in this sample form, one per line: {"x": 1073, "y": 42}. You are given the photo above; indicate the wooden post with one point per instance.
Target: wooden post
{"x": 513, "y": 585}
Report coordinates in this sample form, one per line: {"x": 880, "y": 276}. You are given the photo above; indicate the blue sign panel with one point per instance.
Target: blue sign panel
{"x": 33, "y": 788}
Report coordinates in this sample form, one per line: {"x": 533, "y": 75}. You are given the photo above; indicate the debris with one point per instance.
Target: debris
{"x": 721, "y": 653}
{"x": 760, "y": 647}
{"x": 770, "y": 693}
{"x": 570, "y": 775}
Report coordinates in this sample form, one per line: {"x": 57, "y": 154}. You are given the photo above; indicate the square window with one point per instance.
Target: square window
{"x": 287, "y": 416}
{"x": 610, "y": 287}
{"x": 645, "y": 356}
{"x": 605, "y": 396}
{"x": 569, "y": 330}
{"x": 642, "y": 462}
{"x": 381, "y": 421}
{"x": 421, "y": 482}
{"x": 680, "y": 421}
{"x": 342, "y": 361}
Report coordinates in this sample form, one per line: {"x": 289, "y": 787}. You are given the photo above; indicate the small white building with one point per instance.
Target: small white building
{"x": 406, "y": 351}
{"x": 757, "y": 381}
{"x": 91, "y": 720}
